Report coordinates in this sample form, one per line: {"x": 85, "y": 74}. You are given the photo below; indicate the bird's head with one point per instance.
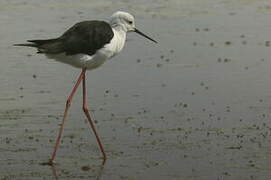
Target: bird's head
{"x": 124, "y": 19}
{"x": 127, "y": 22}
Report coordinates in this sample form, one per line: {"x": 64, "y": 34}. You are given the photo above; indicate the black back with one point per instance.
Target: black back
{"x": 84, "y": 37}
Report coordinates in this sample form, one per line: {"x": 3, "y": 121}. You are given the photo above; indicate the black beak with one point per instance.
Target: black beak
{"x": 139, "y": 32}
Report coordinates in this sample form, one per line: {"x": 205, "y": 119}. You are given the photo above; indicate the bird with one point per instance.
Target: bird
{"x": 86, "y": 45}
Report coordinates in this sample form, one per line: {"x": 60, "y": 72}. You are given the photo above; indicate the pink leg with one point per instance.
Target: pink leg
{"x": 86, "y": 111}
{"x": 68, "y": 104}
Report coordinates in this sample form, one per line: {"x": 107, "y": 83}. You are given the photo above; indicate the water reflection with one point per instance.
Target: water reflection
{"x": 54, "y": 172}
{"x": 100, "y": 171}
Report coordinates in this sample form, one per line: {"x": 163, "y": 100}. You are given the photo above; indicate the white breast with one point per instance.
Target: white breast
{"x": 115, "y": 46}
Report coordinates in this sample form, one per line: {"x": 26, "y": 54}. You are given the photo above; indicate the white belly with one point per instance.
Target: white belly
{"x": 79, "y": 60}
{"x": 94, "y": 61}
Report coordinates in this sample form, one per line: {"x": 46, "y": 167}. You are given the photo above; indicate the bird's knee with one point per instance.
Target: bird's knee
{"x": 85, "y": 109}
{"x": 68, "y": 103}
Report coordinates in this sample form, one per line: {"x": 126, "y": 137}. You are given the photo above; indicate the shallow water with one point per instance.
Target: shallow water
{"x": 195, "y": 106}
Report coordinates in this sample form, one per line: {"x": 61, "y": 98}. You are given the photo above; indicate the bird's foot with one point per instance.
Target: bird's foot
{"x": 49, "y": 163}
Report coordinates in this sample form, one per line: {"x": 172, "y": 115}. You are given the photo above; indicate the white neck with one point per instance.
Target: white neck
{"x": 119, "y": 27}
{"x": 118, "y": 41}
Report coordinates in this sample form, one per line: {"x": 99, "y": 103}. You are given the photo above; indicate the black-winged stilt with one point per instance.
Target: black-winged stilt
{"x": 87, "y": 45}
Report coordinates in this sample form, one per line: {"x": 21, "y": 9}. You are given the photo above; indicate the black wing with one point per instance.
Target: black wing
{"x": 84, "y": 37}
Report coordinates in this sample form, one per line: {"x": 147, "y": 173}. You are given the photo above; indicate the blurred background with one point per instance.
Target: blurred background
{"x": 194, "y": 106}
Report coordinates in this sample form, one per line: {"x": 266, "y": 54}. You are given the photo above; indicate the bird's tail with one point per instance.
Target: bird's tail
{"x": 44, "y": 45}
{"x": 36, "y": 42}
{"x": 26, "y": 44}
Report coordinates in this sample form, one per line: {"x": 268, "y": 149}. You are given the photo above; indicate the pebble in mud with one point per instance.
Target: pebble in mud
{"x": 158, "y": 65}
{"x": 163, "y": 85}
{"x": 228, "y": 43}
{"x": 139, "y": 129}
{"x": 228, "y": 110}
{"x": 85, "y": 168}
{"x": 227, "y": 60}
{"x": 232, "y": 13}
{"x": 226, "y": 173}
{"x": 8, "y": 140}
{"x": 30, "y": 137}
{"x": 79, "y": 12}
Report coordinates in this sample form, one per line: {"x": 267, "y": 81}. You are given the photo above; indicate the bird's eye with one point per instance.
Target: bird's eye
{"x": 130, "y": 22}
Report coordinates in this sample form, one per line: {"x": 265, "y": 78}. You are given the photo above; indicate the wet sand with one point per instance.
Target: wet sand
{"x": 195, "y": 106}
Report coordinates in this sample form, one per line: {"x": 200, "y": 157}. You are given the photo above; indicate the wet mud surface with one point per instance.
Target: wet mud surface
{"x": 194, "y": 106}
